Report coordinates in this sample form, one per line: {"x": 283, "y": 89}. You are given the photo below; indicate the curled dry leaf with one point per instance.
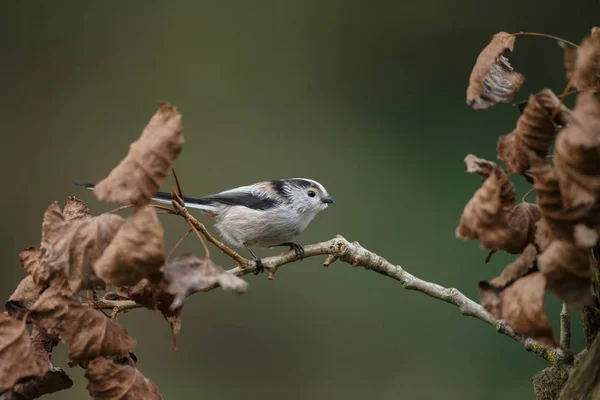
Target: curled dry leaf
{"x": 558, "y": 220}
{"x": 70, "y": 248}
{"x": 489, "y": 291}
{"x": 534, "y": 132}
{"x": 189, "y": 273}
{"x": 17, "y": 360}
{"x": 570, "y": 59}
{"x": 522, "y": 307}
{"x": 76, "y": 209}
{"x": 32, "y": 261}
{"x": 577, "y": 160}
{"x": 54, "y": 380}
{"x": 491, "y": 216}
{"x": 26, "y": 293}
{"x": 136, "y": 252}
{"x": 143, "y": 170}
{"x": 116, "y": 378}
{"x": 568, "y": 272}
{"x": 87, "y": 332}
{"x": 587, "y": 66}
{"x": 155, "y": 297}
{"x": 493, "y": 79}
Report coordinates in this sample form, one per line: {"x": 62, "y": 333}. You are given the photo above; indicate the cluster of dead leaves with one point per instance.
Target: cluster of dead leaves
{"x": 79, "y": 252}
{"x": 555, "y": 235}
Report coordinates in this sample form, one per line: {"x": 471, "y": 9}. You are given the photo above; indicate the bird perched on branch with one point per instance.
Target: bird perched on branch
{"x": 266, "y": 214}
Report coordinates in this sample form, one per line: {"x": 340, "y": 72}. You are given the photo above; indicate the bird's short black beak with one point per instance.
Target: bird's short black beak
{"x": 328, "y": 200}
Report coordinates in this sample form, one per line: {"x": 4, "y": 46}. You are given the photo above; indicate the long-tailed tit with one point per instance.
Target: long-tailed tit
{"x": 266, "y": 214}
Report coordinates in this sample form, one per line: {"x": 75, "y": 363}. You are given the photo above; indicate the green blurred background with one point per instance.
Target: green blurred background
{"x": 366, "y": 97}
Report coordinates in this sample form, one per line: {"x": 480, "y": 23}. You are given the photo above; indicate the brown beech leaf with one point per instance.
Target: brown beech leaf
{"x": 32, "y": 261}
{"x": 491, "y": 216}
{"x": 26, "y": 293}
{"x": 139, "y": 175}
{"x": 493, "y": 80}
{"x": 568, "y": 272}
{"x": 570, "y": 59}
{"x": 559, "y": 220}
{"x": 76, "y": 209}
{"x": 136, "y": 252}
{"x": 116, "y": 378}
{"x": 87, "y": 332}
{"x": 156, "y": 297}
{"x": 522, "y": 307}
{"x": 577, "y": 160}
{"x": 587, "y": 66}
{"x": 70, "y": 248}
{"x": 489, "y": 291}
{"x": 54, "y": 380}
{"x": 485, "y": 168}
{"x": 535, "y": 133}
{"x": 189, "y": 273}
{"x": 17, "y": 360}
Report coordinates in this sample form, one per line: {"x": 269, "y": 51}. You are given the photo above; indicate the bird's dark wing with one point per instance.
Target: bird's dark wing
{"x": 246, "y": 199}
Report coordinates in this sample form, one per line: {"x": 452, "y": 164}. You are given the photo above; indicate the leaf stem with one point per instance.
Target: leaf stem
{"x": 546, "y": 36}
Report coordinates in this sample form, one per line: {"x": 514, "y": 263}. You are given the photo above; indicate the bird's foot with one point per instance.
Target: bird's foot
{"x": 259, "y": 266}
{"x": 298, "y": 249}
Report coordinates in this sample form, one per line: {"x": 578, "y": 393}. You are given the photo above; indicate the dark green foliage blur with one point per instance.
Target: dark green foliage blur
{"x": 368, "y": 98}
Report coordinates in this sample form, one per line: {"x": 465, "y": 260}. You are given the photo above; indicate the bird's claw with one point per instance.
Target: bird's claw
{"x": 298, "y": 249}
{"x": 259, "y": 266}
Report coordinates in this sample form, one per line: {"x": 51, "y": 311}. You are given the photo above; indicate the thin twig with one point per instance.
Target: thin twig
{"x": 565, "y": 328}
{"x": 122, "y": 305}
{"x": 546, "y": 36}
{"x": 177, "y": 182}
{"x": 193, "y": 222}
{"x": 179, "y": 242}
{"x": 527, "y": 194}
{"x": 562, "y": 97}
{"x": 354, "y": 254}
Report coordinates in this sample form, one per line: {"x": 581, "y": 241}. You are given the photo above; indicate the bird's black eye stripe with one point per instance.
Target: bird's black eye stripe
{"x": 311, "y": 193}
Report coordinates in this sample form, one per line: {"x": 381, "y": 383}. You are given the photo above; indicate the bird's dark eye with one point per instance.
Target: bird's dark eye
{"x": 312, "y": 193}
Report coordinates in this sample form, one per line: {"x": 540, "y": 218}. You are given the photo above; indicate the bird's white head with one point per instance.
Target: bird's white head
{"x": 305, "y": 195}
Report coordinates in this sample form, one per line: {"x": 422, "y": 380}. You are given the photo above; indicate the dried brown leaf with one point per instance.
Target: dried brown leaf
{"x": 577, "y": 160}
{"x": 136, "y": 252}
{"x": 570, "y": 59}
{"x": 489, "y": 291}
{"x": 70, "y": 248}
{"x": 568, "y": 272}
{"x": 54, "y": 380}
{"x": 587, "y": 66}
{"x": 493, "y": 79}
{"x": 116, "y": 378}
{"x": 155, "y": 297}
{"x": 138, "y": 176}
{"x": 87, "y": 332}
{"x": 17, "y": 360}
{"x": 32, "y": 261}
{"x": 559, "y": 219}
{"x": 189, "y": 273}
{"x": 26, "y": 293}
{"x": 534, "y": 132}
{"x": 523, "y": 308}
{"x": 76, "y": 209}
{"x": 491, "y": 216}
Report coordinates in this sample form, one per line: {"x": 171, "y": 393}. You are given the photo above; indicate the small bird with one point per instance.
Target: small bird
{"x": 266, "y": 214}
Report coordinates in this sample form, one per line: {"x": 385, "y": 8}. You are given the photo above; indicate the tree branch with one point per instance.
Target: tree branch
{"x": 565, "y": 327}
{"x": 356, "y": 255}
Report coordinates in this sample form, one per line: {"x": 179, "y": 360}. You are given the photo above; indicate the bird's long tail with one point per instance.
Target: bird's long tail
{"x": 164, "y": 197}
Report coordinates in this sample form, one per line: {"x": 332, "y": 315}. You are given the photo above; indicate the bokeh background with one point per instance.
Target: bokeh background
{"x": 366, "y": 97}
